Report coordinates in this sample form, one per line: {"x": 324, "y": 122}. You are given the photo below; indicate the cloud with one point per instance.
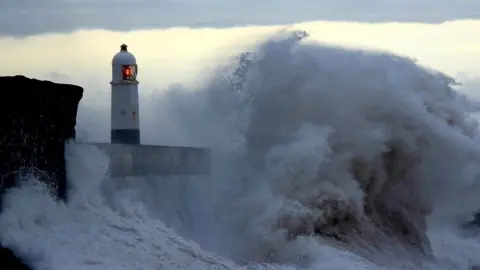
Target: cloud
{"x": 180, "y": 54}
{"x": 27, "y": 17}
{"x": 187, "y": 56}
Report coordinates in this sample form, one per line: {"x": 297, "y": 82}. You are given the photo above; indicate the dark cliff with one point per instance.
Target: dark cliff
{"x": 36, "y": 118}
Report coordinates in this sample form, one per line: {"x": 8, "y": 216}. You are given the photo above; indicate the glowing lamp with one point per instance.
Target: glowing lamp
{"x": 129, "y": 72}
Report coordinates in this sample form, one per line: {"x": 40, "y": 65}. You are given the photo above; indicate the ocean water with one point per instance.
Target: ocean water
{"x": 283, "y": 121}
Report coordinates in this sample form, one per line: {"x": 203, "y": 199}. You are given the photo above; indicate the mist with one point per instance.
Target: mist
{"x": 187, "y": 57}
{"x": 303, "y": 93}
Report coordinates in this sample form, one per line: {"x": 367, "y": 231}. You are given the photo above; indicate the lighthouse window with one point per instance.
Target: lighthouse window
{"x": 129, "y": 72}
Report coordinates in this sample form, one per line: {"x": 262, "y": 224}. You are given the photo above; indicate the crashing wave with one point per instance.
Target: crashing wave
{"x": 323, "y": 157}
{"x": 342, "y": 145}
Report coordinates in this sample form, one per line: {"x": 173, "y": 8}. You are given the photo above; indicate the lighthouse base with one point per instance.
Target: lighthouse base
{"x": 142, "y": 160}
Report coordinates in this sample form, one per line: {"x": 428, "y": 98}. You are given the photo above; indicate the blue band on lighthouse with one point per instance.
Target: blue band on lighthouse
{"x": 125, "y": 136}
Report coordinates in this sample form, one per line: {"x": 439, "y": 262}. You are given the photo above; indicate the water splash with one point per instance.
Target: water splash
{"x": 288, "y": 123}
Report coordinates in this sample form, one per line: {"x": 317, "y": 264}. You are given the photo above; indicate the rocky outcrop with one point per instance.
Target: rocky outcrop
{"x": 36, "y": 118}
{"x": 7, "y": 257}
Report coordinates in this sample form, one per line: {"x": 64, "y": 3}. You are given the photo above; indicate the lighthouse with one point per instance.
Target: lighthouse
{"x": 125, "y": 125}
{"x": 127, "y": 157}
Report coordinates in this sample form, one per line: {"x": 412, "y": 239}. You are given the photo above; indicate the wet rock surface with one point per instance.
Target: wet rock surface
{"x": 36, "y": 119}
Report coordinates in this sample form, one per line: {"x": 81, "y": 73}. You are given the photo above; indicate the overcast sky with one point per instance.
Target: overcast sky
{"x": 182, "y": 55}
{"x": 26, "y": 17}
{"x": 189, "y": 56}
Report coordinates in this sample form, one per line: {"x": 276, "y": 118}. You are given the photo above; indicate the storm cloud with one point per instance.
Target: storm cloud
{"x": 28, "y": 17}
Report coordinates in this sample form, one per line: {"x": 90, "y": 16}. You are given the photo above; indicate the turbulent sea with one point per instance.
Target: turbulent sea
{"x": 282, "y": 120}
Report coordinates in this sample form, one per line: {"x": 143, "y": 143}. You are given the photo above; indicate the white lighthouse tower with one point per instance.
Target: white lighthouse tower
{"x": 125, "y": 127}
{"x": 127, "y": 157}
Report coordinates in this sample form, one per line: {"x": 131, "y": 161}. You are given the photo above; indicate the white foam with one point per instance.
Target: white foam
{"x": 308, "y": 108}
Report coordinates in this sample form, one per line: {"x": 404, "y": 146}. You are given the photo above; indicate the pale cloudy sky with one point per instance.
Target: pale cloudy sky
{"x": 24, "y": 17}
{"x": 186, "y": 56}
{"x": 180, "y": 53}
